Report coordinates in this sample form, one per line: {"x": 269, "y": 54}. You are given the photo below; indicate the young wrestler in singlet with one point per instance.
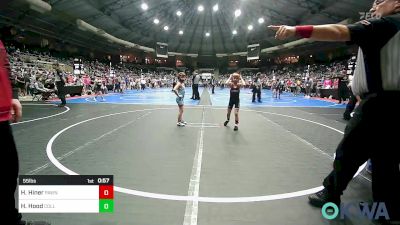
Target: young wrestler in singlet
{"x": 235, "y": 82}
{"x": 179, "y": 90}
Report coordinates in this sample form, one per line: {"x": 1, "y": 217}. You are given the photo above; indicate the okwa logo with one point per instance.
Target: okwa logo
{"x": 375, "y": 211}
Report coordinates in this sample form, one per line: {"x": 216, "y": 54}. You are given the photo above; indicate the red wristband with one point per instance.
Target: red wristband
{"x": 304, "y": 31}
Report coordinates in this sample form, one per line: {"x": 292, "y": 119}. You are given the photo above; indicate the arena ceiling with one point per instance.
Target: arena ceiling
{"x": 132, "y": 21}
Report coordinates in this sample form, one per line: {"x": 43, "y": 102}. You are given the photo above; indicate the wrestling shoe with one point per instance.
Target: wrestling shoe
{"x": 226, "y": 123}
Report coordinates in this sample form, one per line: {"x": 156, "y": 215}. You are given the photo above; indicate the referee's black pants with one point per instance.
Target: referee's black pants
{"x": 193, "y": 94}
{"x": 10, "y": 173}
{"x": 196, "y": 92}
{"x": 256, "y": 91}
{"x": 350, "y": 106}
{"x": 343, "y": 94}
{"x": 61, "y": 92}
{"x": 373, "y": 134}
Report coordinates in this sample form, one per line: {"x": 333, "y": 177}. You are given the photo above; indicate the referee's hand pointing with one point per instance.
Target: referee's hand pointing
{"x": 283, "y": 32}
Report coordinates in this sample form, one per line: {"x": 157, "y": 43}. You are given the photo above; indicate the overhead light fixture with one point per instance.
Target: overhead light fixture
{"x": 179, "y": 13}
{"x": 238, "y": 12}
{"x": 82, "y": 25}
{"x": 166, "y": 28}
{"x": 156, "y": 21}
{"x": 180, "y": 32}
{"x": 261, "y": 20}
{"x": 39, "y": 6}
{"x": 215, "y": 8}
{"x": 144, "y": 6}
{"x": 250, "y": 27}
{"x": 208, "y": 34}
{"x": 200, "y": 8}
{"x": 234, "y": 32}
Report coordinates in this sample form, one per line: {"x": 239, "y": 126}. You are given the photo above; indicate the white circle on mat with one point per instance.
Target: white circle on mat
{"x": 145, "y": 194}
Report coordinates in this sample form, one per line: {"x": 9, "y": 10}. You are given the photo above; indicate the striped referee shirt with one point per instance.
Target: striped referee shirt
{"x": 378, "y": 62}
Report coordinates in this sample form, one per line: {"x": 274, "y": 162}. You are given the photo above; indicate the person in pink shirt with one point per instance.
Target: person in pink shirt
{"x": 70, "y": 79}
{"x": 336, "y": 83}
{"x": 10, "y": 112}
{"x": 289, "y": 83}
{"x": 86, "y": 80}
{"x": 328, "y": 83}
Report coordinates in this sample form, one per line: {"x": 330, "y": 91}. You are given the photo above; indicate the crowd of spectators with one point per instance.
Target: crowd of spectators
{"x": 309, "y": 79}
{"x": 34, "y": 74}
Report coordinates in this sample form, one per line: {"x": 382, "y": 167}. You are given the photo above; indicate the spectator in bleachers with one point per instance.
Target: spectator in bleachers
{"x": 39, "y": 88}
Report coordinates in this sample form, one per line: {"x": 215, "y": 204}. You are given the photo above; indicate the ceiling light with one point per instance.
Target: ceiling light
{"x": 39, "y": 6}
{"x": 207, "y": 34}
{"x": 215, "y": 8}
{"x": 166, "y": 28}
{"x": 234, "y": 32}
{"x": 238, "y": 12}
{"x": 180, "y": 32}
{"x": 200, "y": 8}
{"x": 250, "y": 27}
{"x": 179, "y": 13}
{"x": 156, "y": 21}
{"x": 144, "y": 6}
{"x": 261, "y": 20}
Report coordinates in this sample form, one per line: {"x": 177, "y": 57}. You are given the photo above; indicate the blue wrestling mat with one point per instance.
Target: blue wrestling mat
{"x": 165, "y": 96}
{"x": 221, "y": 98}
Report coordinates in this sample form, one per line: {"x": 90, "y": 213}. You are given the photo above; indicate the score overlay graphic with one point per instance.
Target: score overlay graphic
{"x": 66, "y": 194}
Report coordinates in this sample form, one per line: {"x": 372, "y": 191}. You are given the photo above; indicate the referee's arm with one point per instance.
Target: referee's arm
{"x": 366, "y": 32}
{"x": 330, "y": 32}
